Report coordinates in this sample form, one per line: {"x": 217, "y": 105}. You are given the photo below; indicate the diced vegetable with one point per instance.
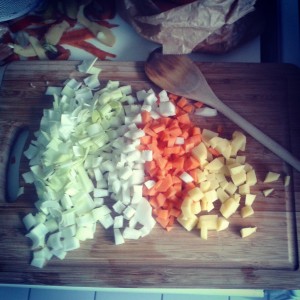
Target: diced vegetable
{"x": 206, "y": 112}
{"x": 267, "y": 192}
{"x": 246, "y": 211}
{"x": 247, "y": 231}
{"x": 148, "y": 159}
{"x": 271, "y": 177}
{"x": 287, "y": 180}
{"x": 84, "y": 153}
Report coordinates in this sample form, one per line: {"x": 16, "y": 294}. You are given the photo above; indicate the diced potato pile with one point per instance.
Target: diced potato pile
{"x": 224, "y": 176}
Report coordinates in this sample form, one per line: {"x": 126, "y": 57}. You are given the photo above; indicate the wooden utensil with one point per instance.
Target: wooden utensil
{"x": 179, "y": 75}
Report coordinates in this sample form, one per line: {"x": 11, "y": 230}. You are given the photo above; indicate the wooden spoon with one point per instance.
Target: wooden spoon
{"x": 177, "y": 74}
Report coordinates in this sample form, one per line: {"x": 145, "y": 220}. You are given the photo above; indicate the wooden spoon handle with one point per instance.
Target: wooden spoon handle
{"x": 258, "y": 135}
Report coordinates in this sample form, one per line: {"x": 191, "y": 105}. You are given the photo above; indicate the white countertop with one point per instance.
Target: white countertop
{"x": 130, "y": 46}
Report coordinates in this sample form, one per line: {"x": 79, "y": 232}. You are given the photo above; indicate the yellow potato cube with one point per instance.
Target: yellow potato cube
{"x": 229, "y": 207}
{"x": 211, "y": 176}
{"x": 267, "y": 192}
{"x": 230, "y": 161}
{"x": 204, "y": 233}
{"x": 239, "y": 178}
{"x": 222, "y": 224}
{"x": 222, "y": 195}
{"x": 226, "y": 151}
{"x": 224, "y": 184}
{"x": 216, "y": 140}
{"x": 236, "y": 197}
{"x": 196, "y": 207}
{"x": 188, "y": 223}
{"x": 225, "y": 171}
{"x": 201, "y": 175}
{"x": 205, "y": 186}
{"x": 240, "y": 159}
{"x": 230, "y": 188}
{"x": 271, "y": 177}
{"x": 210, "y": 206}
{"x": 214, "y": 184}
{"x": 196, "y": 194}
{"x": 214, "y": 165}
{"x": 238, "y": 142}
{"x": 222, "y": 145}
{"x": 186, "y": 207}
{"x": 209, "y": 158}
{"x": 211, "y": 196}
{"x": 204, "y": 204}
{"x": 207, "y": 135}
{"x": 251, "y": 177}
{"x": 220, "y": 177}
{"x": 249, "y": 199}
{"x": 246, "y": 231}
{"x": 235, "y": 168}
{"x": 247, "y": 211}
{"x": 244, "y": 189}
{"x": 208, "y": 221}
{"x": 248, "y": 167}
{"x": 200, "y": 152}
{"x": 204, "y": 162}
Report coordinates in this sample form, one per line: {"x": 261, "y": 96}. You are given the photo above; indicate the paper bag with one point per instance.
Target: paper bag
{"x": 211, "y": 26}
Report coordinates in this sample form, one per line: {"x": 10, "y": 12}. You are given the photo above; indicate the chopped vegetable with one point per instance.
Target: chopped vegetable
{"x": 46, "y": 35}
{"x": 170, "y": 138}
{"x": 102, "y": 33}
{"x": 148, "y": 158}
{"x": 246, "y": 211}
{"x": 247, "y": 231}
{"x": 55, "y": 32}
{"x": 84, "y": 153}
{"x": 271, "y": 177}
{"x": 287, "y": 180}
{"x": 267, "y": 192}
{"x": 206, "y": 112}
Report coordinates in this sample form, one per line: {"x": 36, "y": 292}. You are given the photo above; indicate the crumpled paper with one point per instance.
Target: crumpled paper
{"x": 192, "y": 27}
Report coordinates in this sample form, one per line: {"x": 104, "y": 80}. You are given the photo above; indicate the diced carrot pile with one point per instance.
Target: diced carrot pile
{"x": 170, "y": 160}
{"x": 184, "y": 105}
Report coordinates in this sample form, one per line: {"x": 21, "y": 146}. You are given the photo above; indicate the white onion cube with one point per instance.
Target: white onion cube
{"x": 128, "y": 212}
{"x": 147, "y": 155}
{"x": 163, "y": 96}
{"x": 131, "y": 233}
{"x": 167, "y": 109}
{"x": 118, "y": 237}
{"x": 99, "y": 212}
{"x": 100, "y": 193}
{"x": 186, "y": 177}
{"x": 106, "y": 221}
{"x": 149, "y": 184}
{"x": 118, "y": 222}
{"x": 141, "y": 95}
{"x": 118, "y": 207}
{"x": 206, "y": 112}
{"x": 125, "y": 172}
{"x": 70, "y": 243}
{"x": 179, "y": 140}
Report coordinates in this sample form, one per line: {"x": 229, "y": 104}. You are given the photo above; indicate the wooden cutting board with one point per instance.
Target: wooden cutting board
{"x": 265, "y": 94}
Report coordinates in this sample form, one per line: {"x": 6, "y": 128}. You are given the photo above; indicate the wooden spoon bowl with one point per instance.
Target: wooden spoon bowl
{"x": 177, "y": 74}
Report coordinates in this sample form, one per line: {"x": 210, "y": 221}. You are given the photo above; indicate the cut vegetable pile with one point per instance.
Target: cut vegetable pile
{"x": 49, "y": 32}
{"x": 102, "y": 155}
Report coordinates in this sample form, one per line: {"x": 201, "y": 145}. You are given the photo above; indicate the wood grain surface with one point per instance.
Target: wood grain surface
{"x": 265, "y": 94}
